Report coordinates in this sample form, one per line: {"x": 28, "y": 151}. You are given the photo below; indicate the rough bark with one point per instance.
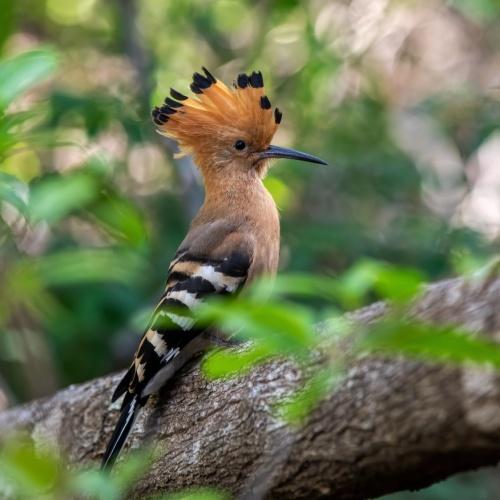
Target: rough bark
{"x": 392, "y": 424}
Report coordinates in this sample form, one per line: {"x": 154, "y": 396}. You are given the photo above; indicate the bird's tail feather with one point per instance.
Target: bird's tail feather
{"x": 131, "y": 406}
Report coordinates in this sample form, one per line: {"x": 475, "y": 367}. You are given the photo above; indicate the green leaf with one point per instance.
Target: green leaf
{"x": 357, "y": 282}
{"x": 121, "y": 219}
{"x": 466, "y": 263}
{"x": 21, "y": 72}
{"x": 100, "y": 484}
{"x": 295, "y": 285}
{"x": 399, "y": 284}
{"x": 12, "y": 120}
{"x": 281, "y": 328}
{"x": 29, "y": 472}
{"x": 196, "y": 494}
{"x": 95, "y": 484}
{"x": 223, "y": 363}
{"x": 297, "y": 408}
{"x": 10, "y": 192}
{"x": 86, "y": 265}
{"x": 430, "y": 342}
{"x": 132, "y": 467}
{"x": 55, "y": 197}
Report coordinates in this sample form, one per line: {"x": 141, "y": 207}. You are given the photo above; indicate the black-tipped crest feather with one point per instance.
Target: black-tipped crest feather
{"x": 201, "y": 81}
{"x": 177, "y": 95}
{"x": 172, "y": 103}
{"x": 195, "y": 89}
{"x": 278, "y": 115}
{"x": 242, "y": 80}
{"x": 265, "y": 103}
{"x": 209, "y": 75}
{"x": 256, "y": 80}
{"x": 168, "y": 110}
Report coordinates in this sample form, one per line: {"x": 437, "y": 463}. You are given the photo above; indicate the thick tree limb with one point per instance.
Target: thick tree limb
{"x": 392, "y": 424}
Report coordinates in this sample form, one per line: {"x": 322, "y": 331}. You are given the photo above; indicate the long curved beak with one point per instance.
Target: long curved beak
{"x": 278, "y": 152}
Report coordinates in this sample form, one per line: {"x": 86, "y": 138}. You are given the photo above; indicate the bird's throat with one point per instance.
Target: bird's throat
{"x": 237, "y": 193}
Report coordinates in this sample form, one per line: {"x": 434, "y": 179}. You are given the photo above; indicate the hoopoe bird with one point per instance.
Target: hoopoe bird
{"x": 234, "y": 238}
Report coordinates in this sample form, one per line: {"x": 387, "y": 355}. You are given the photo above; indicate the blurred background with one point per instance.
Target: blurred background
{"x": 401, "y": 97}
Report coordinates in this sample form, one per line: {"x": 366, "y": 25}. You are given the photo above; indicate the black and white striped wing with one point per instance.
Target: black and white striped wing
{"x": 172, "y": 334}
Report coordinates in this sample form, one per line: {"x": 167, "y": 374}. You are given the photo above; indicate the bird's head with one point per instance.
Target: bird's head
{"x": 225, "y": 128}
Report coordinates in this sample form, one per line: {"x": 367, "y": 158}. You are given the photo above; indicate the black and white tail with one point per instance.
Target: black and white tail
{"x": 172, "y": 335}
{"x": 131, "y": 406}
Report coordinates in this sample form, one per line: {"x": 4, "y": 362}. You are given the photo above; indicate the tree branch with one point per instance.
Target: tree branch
{"x": 392, "y": 424}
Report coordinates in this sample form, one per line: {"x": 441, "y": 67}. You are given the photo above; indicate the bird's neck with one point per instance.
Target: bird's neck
{"x": 241, "y": 201}
{"x": 235, "y": 193}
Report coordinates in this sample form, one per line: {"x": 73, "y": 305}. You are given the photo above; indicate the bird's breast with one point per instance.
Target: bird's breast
{"x": 265, "y": 225}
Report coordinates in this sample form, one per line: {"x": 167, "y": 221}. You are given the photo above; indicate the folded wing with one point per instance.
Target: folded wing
{"x": 172, "y": 334}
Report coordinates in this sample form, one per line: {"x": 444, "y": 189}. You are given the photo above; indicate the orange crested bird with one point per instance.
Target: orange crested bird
{"x": 234, "y": 238}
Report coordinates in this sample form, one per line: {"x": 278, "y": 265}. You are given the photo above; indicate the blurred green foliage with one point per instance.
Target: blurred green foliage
{"x": 27, "y": 472}
{"x": 92, "y": 206}
{"x": 82, "y": 170}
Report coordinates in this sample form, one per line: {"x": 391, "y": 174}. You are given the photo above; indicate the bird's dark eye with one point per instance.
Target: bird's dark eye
{"x": 239, "y": 144}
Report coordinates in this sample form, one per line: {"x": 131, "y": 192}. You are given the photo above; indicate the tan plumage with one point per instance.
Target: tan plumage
{"x": 233, "y": 239}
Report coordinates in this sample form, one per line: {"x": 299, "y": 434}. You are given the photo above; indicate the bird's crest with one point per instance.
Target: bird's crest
{"x": 217, "y": 112}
